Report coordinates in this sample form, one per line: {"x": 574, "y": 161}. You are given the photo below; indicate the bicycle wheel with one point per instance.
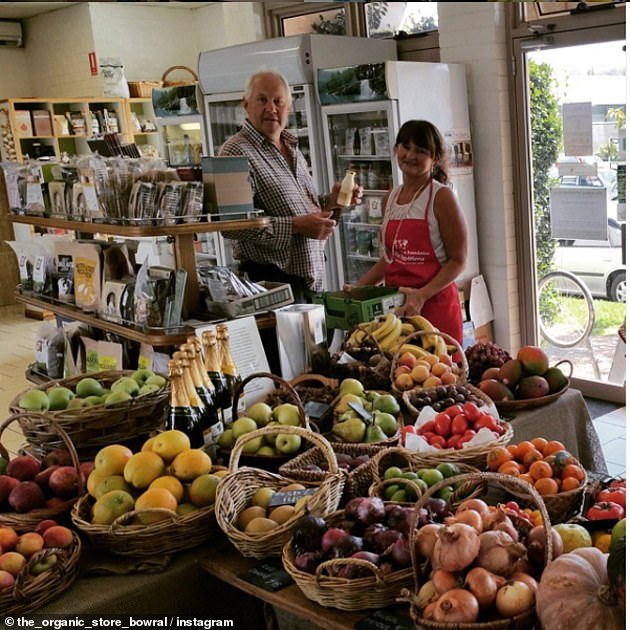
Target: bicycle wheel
{"x": 565, "y": 309}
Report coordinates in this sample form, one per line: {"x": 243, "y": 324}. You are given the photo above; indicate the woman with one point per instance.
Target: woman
{"x": 424, "y": 235}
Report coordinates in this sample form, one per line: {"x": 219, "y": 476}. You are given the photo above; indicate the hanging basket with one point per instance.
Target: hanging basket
{"x": 166, "y": 82}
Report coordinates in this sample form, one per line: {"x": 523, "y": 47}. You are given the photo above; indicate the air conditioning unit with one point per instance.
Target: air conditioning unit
{"x": 11, "y": 33}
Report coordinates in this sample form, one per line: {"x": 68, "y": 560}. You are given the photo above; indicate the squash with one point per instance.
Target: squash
{"x": 573, "y": 594}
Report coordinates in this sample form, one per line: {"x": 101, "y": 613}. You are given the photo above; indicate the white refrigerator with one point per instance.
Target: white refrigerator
{"x": 222, "y": 76}
{"x": 362, "y": 108}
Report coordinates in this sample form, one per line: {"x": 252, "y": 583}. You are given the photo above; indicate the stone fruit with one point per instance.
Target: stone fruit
{"x": 8, "y": 538}
{"x": 6, "y": 580}
{"x": 125, "y": 384}
{"x": 29, "y": 543}
{"x": 111, "y": 460}
{"x": 260, "y": 525}
{"x": 190, "y": 464}
{"x": 110, "y": 506}
{"x": 64, "y": 482}
{"x": 282, "y": 513}
{"x": 142, "y": 468}
{"x": 243, "y": 425}
{"x": 59, "y": 397}
{"x": 288, "y": 443}
{"x": 168, "y": 444}
{"x": 34, "y": 400}
{"x": 532, "y": 387}
{"x": 88, "y": 386}
{"x": 6, "y": 485}
{"x": 497, "y": 391}
{"x": 556, "y": 379}
{"x": 12, "y": 562}
{"x": 113, "y": 482}
{"x": 534, "y": 360}
{"x": 23, "y": 467}
{"x": 172, "y": 484}
{"x": 491, "y": 372}
{"x": 57, "y": 536}
{"x": 260, "y": 412}
{"x": 287, "y": 414}
{"x": 203, "y": 490}
{"x": 510, "y": 373}
{"x": 148, "y": 444}
{"x": 115, "y": 398}
{"x": 26, "y": 496}
{"x": 351, "y": 386}
{"x": 262, "y": 497}
{"x": 155, "y": 498}
{"x": 249, "y": 513}
{"x": 40, "y": 528}
{"x": 573, "y": 536}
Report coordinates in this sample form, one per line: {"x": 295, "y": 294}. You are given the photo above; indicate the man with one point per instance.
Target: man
{"x": 291, "y": 248}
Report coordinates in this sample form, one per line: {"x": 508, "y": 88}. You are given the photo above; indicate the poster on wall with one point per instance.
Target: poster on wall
{"x": 460, "y": 151}
{"x": 577, "y": 128}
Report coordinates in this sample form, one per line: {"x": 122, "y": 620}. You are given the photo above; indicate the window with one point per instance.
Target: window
{"x": 388, "y": 19}
{"x": 331, "y": 22}
{"x": 537, "y": 10}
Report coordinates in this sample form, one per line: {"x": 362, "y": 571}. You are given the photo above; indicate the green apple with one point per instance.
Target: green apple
{"x": 145, "y": 390}
{"x": 387, "y": 403}
{"x": 351, "y": 386}
{"x": 253, "y": 445}
{"x": 287, "y": 414}
{"x": 88, "y": 386}
{"x": 45, "y": 564}
{"x": 288, "y": 443}
{"x": 243, "y": 425}
{"x": 410, "y": 474}
{"x": 392, "y": 472}
{"x": 387, "y": 422}
{"x": 34, "y": 400}
{"x": 448, "y": 469}
{"x": 156, "y": 379}
{"x": 431, "y": 476}
{"x": 260, "y": 412}
{"x": 400, "y": 496}
{"x": 126, "y": 384}
{"x": 117, "y": 397}
{"x": 59, "y": 397}
{"x": 270, "y": 438}
{"x": 226, "y": 439}
{"x": 390, "y": 491}
{"x": 266, "y": 451}
{"x": 141, "y": 375}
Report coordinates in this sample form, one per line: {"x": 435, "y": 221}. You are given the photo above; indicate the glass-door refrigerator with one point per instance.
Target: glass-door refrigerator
{"x": 362, "y": 108}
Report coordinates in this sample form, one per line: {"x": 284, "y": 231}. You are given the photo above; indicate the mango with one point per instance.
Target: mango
{"x": 556, "y": 379}
{"x": 534, "y": 360}
{"x": 491, "y": 372}
{"x": 510, "y": 373}
{"x": 497, "y": 391}
{"x": 532, "y": 387}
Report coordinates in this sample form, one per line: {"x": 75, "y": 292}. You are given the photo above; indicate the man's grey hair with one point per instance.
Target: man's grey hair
{"x": 249, "y": 84}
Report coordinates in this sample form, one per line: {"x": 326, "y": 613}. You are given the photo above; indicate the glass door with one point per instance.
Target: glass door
{"x": 358, "y": 138}
{"x": 576, "y": 107}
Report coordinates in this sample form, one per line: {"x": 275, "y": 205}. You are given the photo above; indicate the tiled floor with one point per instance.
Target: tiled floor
{"x": 17, "y": 341}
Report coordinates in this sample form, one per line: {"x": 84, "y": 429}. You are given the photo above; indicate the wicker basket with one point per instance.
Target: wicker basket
{"x": 358, "y": 479}
{"x": 91, "y": 428}
{"x": 524, "y": 621}
{"x": 143, "y": 89}
{"x": 32, "y": 591}
{"x": 28, "y": 520}
{"x": 166, "y": 82}
{"x": 124, "y": 537}
{"x": 461, "y": 376}
{"x": 407, "y": 459}
{"x": 363, "y": 593}
{"x": 238, "y": 487}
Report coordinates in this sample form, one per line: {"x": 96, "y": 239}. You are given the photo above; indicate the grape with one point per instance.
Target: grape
{"x": 481, "y": 356}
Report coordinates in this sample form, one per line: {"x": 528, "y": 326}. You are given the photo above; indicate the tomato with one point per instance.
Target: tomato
{"x": 486, "y": 420}
{"x": 453, "y": 441}
{"x": 605, "y": 510}
{"x": 614, "y": 495}
{"x": 500, "y": 429}
{"x": 617, "y": 483}
{"x": 466, "y": 437}
{"x": 438, "y": 441}
{"x": 428, "y": 436}
{"x": 453, "y": 410}
{"x": 443, "y": 424}
{"x": 471, "y": 411}
{"x": 459, "y": 424}
{"x": 426, "y": 427}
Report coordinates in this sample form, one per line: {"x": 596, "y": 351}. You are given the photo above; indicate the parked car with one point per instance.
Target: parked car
{"x": 597, "y": 263}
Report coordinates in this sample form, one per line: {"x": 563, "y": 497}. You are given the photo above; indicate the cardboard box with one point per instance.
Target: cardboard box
{"x": 345, "y": 309}
{"x": 42, "y": 124}
{"x": 227, "y": 191}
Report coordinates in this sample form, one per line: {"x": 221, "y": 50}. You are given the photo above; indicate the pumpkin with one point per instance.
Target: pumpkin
{"x": 573, "y": 594}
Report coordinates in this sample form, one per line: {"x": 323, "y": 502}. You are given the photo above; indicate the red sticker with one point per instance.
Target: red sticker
{"x": 93, "y": 68}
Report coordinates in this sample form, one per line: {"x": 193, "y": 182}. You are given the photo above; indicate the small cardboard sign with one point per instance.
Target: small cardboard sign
{"x": 268, "y": 575}
{"x": 386, "y": 619}
{"x": 289, "y": 498}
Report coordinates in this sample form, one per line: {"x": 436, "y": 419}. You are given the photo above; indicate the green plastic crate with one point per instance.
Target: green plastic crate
{"x": 345, "y": 309}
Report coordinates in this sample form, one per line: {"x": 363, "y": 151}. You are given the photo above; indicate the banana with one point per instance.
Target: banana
{"x": 407, "y": 328}
{"x": 441, "y": 346}
{"x": 417, "y": 351}
{"x": 386, "y": 327}
{"x": 421, "y": 323}
{"x": 390, "y": 339}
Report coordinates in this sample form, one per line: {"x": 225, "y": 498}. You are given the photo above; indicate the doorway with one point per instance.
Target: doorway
{"x": 572, "y": 125}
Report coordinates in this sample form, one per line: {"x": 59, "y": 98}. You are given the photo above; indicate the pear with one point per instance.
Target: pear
{"x": 352, "y": 430}
{"x": 374, "y": 433}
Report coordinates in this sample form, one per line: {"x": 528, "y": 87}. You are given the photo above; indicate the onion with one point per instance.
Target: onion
{"x": 469, "y": 517}
{"x": 536, "y": 544}
{"x": 456, "y": 606}
{"x": 498, "y": 553}
{"x": 456, "y": 547}
{"x": 425, "y": 595}
{"x": 429, "y": 611}
{"x": 473, "y": 504}
{"x": 444, "y": 581}
{"x": 426, "y": 538}
{"x": 519, "y": 576}
{"x": 483, "y": 585}
{"x": 498, "y": 519}
{"x": 513, "y": 599}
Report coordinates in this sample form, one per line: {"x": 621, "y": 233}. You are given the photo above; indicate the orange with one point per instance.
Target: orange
{"x": 497, "y": 456}
{"x": 510, "y": 468}
{"x": 523, "y": 447}
{"x": 569, "y": 483}
{"x": 545, "y": 485}
{"x": 539, "y": 470}
{"x": 532, "y": 456}
{"x": 512, "y": 448}
{"x": 573, "y": 470}
{"x": 552, "y": 446}
{"x": 526, "y": 477}
{"x": 539, "y": 443}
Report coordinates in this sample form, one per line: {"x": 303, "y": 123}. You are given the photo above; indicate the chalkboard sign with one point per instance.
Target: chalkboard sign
{"x": 289, "y": 498}
{"x": 386, "y": 619}
{"x": 268, "y": 575}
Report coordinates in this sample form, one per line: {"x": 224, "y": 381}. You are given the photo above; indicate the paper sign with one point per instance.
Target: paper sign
{"x": 579, "y": 213}
{"x": 268, "y": 575}
{"x": 384, "y": 619}
{"x": 480, "y": 305}
{"x": 577, "y": 128}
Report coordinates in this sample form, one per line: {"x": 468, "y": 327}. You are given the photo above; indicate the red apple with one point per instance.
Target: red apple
{"x": 26, "y": 496}
{"x": 6, "y": 485}
{"x": 64, "y": 482}
{"x": 23, "y": 467}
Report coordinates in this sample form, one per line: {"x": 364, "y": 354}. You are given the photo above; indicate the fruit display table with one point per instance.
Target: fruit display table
{"x": 566, "y": 419}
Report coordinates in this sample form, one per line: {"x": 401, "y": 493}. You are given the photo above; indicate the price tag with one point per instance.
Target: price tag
{"x": 268, "y": 575}
{"x": 386, "y": 619}
{"x": 289, "y": 498}
{"x": 316, "y": 410}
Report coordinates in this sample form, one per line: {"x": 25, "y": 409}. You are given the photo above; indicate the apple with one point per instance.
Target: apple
{"x": 59, "y": 397}
{"x": 125, "y": 384}
{"x": 261, "y": 413}
{"x": 34, "y": 400}
{"x": 57, "y": 536}
{"x": 26, "y": 496}
{"x": 351, "y": 386}
{"x": 141, "y": 375}
{"x": 6, "y": 485}
{"x": 88, "y": 386}
{"x": 266, "y": 451}
{"x": 288, "y": 443}
{"x": 253, "y": 445}
{"x": 64, "y": 482}
{"x": 45, "y": 564}
{"x": 12, "y": 562}
{"x": 226, "y": 439}
{"x": 243, "y": 425}
{"x": 287, "y": 414}
{"x": 6, "y": 580}
{"x": 110, "y": 506}
{"x": 29, "y": 543}
{"x": 23, "y": 467}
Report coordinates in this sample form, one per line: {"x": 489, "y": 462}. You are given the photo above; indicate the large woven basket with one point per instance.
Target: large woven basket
{"x": 23, "y": 522}
{"x": 91, "y": 428}
{"x": 238, "y": 487}
{"x": 126, "y": 537}
{"x": 31, "y": 591}
{"x": 358, "y": 479}
{"x": 363, "y": 593}
{"x": 142, "y": 89}
{"x": 404, "y": 458}
{"x": 461, "y": 364}
{"x": 513, "y": 485}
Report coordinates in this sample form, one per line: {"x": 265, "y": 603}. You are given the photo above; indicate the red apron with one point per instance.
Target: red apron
{"x": 414, "y": 264}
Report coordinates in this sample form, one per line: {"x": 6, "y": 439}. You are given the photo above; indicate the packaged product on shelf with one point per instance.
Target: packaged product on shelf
{"x": 15, "y": 181}
{"x": 158, "y": 296}
{"x": 25, "y": 253}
